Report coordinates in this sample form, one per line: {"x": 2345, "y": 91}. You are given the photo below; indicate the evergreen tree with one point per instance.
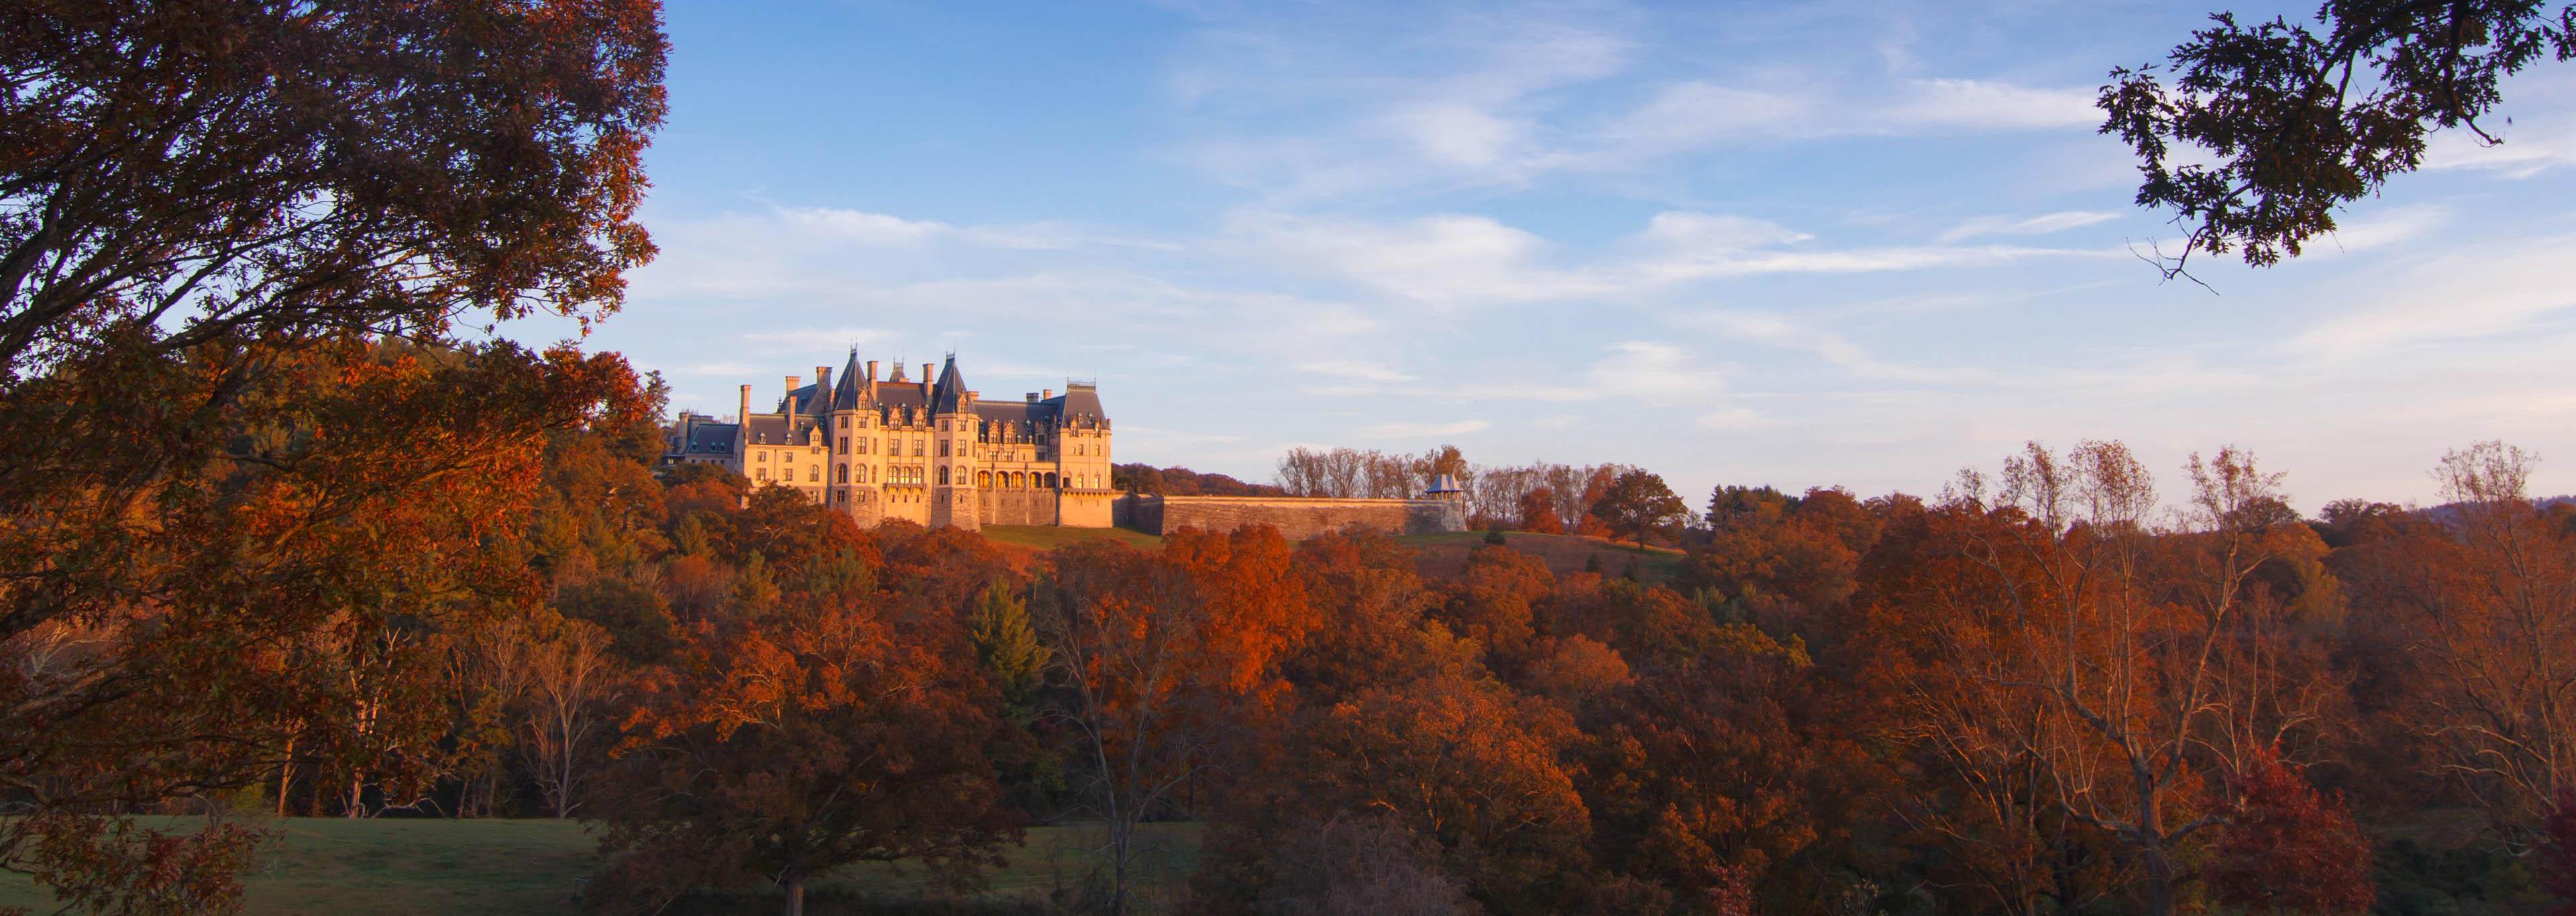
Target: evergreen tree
{"x": 1006, "y": 643}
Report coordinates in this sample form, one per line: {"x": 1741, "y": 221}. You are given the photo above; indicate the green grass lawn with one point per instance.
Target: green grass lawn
{"x": 1050, "y": 537}
{"x": 401, "y": 867}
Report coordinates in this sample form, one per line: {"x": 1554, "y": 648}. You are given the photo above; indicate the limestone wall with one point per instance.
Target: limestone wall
{"x": 1087, "y": 508}
{"x": 1295, "y": 517}
{"x": 1016, "y": 507}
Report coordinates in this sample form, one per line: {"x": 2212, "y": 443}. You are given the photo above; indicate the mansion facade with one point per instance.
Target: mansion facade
{"x": 931, "y": 452}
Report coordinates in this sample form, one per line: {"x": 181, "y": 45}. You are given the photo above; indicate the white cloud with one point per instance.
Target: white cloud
{"x": 1459, "y": 260}
{"x": 1981, "y": 104}
{"x": 1373, "y": 372}
{"x": 1422, "y": 430}
{"x": 729, "y": 369}
{"x": 846, "y": 335}
{"x": 2037, "y": 225}
{"x": 2378, "y": 230}
{"x": 1655, "y": 373}
{"x": 2465, "y": 294}
{"x": 1456, "y": 134}
{"x": 1688, "y": 115}
{"x": 2525, "y": 152}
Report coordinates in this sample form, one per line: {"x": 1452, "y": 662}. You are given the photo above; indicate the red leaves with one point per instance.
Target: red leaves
{"x": 2289, "y": 848}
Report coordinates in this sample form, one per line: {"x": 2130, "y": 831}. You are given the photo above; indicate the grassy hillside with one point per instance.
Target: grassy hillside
{"x": 1445, "y": 555}
{"x": 401, "y": 867}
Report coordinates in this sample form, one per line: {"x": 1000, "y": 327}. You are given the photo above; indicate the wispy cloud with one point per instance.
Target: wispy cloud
{"x": 1459, "y": 260}
{"x": 2525, "y": 152}
{"x": 1356, "y": 370}
{"x": 847, "y": 335}
{"x": 2446, "y": 297}
{"x": 1984, "y": 104}
{"x": 1422, "y": 430}
{"x": 2036, "y": 225}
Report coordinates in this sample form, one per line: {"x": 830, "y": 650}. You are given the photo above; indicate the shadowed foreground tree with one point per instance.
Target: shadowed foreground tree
{"x": 1157, "y": 658}
{"x": 206, "y": 208}
{"x": 2303, "y": 118}
{"x": 282, "y": 597}
{"x": 786, "y": 742}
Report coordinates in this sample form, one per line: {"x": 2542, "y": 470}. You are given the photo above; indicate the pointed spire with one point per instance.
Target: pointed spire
{"x": 950, "y": 394}
{"x": 845, "y": 392}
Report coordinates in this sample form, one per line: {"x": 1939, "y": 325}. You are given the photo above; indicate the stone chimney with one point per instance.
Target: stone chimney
{"x": 742, "y": 415}
{"x": 1048, "y": 392}
{"x": 927, "y": 376}
{"x": 872, "y": 370}
{"x": 822, "y": 379}
{"x": 1033, "y": 397}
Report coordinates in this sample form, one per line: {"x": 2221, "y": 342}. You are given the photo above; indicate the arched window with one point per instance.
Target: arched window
{"x": 842, "y": 475}
{"x": 1050, "y": 481}
{"x": 943, "y": 475}
{"x": 983, "y": 480}
{"x": 813, "y": 474}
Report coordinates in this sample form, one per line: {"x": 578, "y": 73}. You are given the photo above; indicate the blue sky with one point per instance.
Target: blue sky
{"x": 1857, "y": 243}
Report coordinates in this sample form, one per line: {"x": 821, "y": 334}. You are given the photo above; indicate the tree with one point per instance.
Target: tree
{"x": 284, "y": 598}
{"x": 2303, "y": 120}
{"x": 2078, "y": 644}
{"x": 184, "y": 174}
{"x": 1538, "y": 512}
{"x": 2557, "y": 859}
{"x": 1156, "y": 656}
{"x": 785, "y": 745}
{"x": 217, "y": 217}
{"x": 1006, "y": 643}
{"x": 1636, "y": 504}
{"x": 2487, "y": 601}
{"x": 1458, "y": 761}
{"x": 570, "y": 678}
{"x": 2289, "y": 848}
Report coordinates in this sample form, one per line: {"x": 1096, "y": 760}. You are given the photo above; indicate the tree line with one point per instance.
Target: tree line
{"x": 277, "y": 532}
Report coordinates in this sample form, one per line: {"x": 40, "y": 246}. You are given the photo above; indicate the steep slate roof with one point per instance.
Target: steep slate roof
{"x": 950, "y": 393}
{"x": 772, "y": 429}
{"x": 845, "y": 393}
{"x": 1080, "y": 401}
{"x": 708, "y": 438}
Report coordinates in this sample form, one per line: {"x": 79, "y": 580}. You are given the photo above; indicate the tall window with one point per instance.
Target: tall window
{"x": 841, "y": 474}
{"x": 943, "y": 475}
{"x": 845, "y": 444}
{"x": 943, "y": 448}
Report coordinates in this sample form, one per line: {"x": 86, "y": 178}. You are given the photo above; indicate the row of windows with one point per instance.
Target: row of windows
{"x": 1009, "y": 480}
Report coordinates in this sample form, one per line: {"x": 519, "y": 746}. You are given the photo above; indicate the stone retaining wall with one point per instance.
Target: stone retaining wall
{"x": 1296, "y": 518}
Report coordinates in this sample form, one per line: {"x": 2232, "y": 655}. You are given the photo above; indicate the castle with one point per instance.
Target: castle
{"x": 931, "y": 452}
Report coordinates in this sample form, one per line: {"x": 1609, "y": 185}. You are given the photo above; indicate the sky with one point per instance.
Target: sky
{"x": 1862, "y": 244}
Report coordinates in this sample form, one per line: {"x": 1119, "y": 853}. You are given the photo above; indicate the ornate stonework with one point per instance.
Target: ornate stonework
{"x": 929, "y": 451}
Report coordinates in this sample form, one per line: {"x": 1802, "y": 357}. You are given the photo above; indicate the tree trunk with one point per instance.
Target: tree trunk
{"x": 795, "y": 884}
{"x": 2151, "y": 830}
{"x": 285, "y": 778}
